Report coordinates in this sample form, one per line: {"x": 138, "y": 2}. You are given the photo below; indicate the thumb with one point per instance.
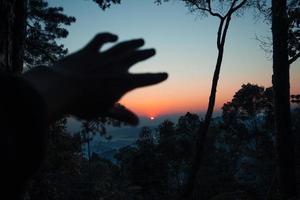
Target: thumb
{"x": 121, "y": 113}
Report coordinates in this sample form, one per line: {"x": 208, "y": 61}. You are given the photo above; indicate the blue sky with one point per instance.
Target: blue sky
{"x": 186, "y": 49}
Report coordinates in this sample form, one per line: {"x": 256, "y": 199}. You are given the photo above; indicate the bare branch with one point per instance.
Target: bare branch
{"x": 229, "y": 12}
{"x": 29, "y": 25}
{"x": 233, "y": 4}
{"x": 266, "y": 44}
{"x": 209, "y": 9}
{"x": 238, "y": 6}
{"x": 294, "y": 58}
{"x": 211, "y": 12}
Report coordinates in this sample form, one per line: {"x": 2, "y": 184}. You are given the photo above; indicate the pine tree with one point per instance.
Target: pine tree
{"x": 45, "y": 25}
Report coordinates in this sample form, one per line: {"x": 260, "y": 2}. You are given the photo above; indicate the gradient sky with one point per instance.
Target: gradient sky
{"x": 186, "y": 49}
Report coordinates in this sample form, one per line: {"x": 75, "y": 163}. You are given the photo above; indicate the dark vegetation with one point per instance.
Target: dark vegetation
{"x": 247, "y": 153}
{"x": 239, "y": 162}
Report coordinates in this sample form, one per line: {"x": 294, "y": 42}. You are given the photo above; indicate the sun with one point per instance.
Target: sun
{"x": 152, "y": 118}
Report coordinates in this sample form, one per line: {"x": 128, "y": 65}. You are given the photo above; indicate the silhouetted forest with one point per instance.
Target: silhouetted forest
{"x": 239, "y": 160}
{"x": 250, "y": 152}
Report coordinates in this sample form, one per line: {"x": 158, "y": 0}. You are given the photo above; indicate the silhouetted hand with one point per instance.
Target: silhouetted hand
{"x": 88, "y": 83}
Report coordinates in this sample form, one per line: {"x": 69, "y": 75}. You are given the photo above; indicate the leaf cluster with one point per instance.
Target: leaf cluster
{"x": 104, "y": 4}
{"x": 44, "y": 27}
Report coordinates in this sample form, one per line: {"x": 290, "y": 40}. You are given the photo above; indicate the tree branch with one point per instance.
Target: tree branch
{"x": 233, "y": 4}
{"x": 238, "y": 6}
{"x": 47, "y": 54}
{"x": 225, "y": 30}
{"x": 229, "y": 12}
{"x": 29, "y": 25}
{"x": 209, "y": 10}
{"x": 294, "y": 58}
{"x": 219, "y": 40}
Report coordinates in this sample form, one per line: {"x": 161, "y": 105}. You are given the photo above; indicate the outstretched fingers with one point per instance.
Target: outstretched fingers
{"x": 128, "y": 60}
{"x": 125, "y": 47}
{"x": 99, "y": 40}
{"x": 133, "y": 81}
{"x": 142, "y": 80}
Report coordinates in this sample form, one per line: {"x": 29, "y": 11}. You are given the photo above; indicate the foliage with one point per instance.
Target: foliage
{"x": 247, "y": 137}
{"x": 100, "y": 179}
{"x": 296, "y": 122}
{"x": 239, "y": 162}
{"x": 218, "y": 8}
{"x": 251, "y": 100}
{"x": 158, "y": 164}
{"x": 293, "y": 12}
{"x": 294, "y": 30}
{"x": 61, "y": 165}
{"x": 45, "y": 25}
{"x": 103, "y": 4}
{"x": 143, "y": 168}
{"x": 67, "y": 174}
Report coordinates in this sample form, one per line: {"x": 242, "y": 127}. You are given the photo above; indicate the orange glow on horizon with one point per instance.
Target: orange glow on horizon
{"x": 156, "y": 105}
{"x": 191, "y": 94}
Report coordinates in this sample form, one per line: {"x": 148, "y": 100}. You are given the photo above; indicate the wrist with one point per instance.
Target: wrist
{"x": 48, "y": 84}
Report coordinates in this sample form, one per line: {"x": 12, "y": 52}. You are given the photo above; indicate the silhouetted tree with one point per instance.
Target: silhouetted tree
{"x": 294, "y": 30}
{"x": 224, "y": 11}
{"x": 293, "y": 14}
{"x": 62, "y": 165}
{"x": 143, "y": 166}
{"x": 246, "y": 137}
{"x": 157, "y": 165}
{"x": 248, "y": 102}
{"x": 13, "y": 17}
{"x": 281, "y": 88}
{"x": 174, "y": 155}
{"x": 32, "y": 25}
{"x": 44, "y": 26}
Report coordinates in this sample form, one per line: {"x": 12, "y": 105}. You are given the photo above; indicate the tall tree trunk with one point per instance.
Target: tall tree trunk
{"x": 191, "y": 191}
{"x": 12, "y": 35}
{"x": 297, "y": 162}
{"x": 281, "y": 86}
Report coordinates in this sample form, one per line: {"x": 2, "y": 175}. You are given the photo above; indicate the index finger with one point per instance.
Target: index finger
{"x": 99, "y": 40}
{"x": 146, "y": 79}
{"x": 125, "y": 47}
